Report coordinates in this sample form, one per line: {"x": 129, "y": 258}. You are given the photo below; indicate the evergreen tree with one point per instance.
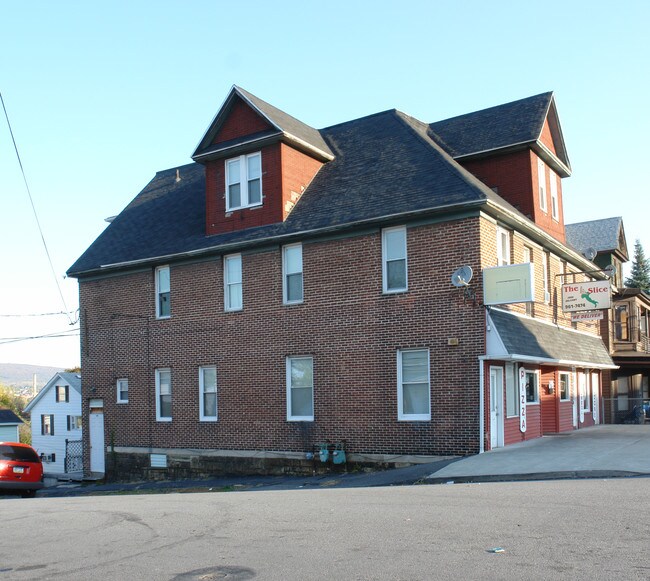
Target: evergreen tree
{"x": 640, "y": 275}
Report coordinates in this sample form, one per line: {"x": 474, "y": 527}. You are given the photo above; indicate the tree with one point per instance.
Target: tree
{"x": 640, "y": 275}
{"x": 9, "y": 399}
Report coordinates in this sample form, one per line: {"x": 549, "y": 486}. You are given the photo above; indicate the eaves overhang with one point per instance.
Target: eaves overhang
{"x": 536, "y": 145}
{"x": 220, "y": 151}
{"x": 526, "y": 226}
{"x": 284, "y": 238}
{"x": 204, "y": 152}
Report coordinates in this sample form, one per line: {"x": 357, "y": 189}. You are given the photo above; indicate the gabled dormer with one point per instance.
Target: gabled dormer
{"x": 518, "y": 150}
{"x": 603, "y": 242}
{"x": 258, "y": 161}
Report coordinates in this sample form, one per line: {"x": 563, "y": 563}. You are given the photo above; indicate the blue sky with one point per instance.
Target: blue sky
{"x": 101, "y": 95}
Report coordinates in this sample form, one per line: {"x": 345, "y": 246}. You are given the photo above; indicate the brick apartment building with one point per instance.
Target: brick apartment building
{"x": 292, "y": 288}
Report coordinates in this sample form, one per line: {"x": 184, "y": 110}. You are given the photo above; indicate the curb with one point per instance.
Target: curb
{"x": 534, "y": 476}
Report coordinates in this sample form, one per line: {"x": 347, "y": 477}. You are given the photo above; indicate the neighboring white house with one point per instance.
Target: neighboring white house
{"x": 56, "y": 424}
{"x": 9, "y": 425}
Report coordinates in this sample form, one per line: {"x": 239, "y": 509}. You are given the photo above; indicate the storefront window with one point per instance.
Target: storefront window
{"x": 532, "y": 391}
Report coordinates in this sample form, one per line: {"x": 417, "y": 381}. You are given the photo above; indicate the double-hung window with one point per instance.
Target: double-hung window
{"x": 62, "y": 394}
{"x": 555, "y": 203}
{"x": 208, "y": 394}
{"x": 394, "y": 260}
{"x": 232, "y": 281}
{"x": 244, "y": 181}
{"x": 74, "y": 423}
{"x": 300, "y": 389}
{"x": 541, "y": 183}
{"x": 545, "y": 280}
{"x": 123, "y": 390}
{"x": 47, "y": 425}
{"x": 413, "y": 391}
{"x": 163, "y": 309}
{"x": 512, "y": 391}
{"x": 164, "y": 395}
{"x": 292, "y": 290}
{"x": 503, "y": 247}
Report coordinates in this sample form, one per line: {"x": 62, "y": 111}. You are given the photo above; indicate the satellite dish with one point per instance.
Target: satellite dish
{"x": 590, "y": 253}
{"x": 462, "y": 276}
{"x": 610, "y": 270}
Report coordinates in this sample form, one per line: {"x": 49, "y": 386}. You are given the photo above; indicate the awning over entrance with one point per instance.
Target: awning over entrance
{"x": 515, "y": 338}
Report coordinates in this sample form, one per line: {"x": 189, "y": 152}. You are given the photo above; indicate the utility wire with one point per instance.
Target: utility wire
{"x": 39, "y": 314}
{"x": 68, "y": 333}
{"x": 29, "y": 193}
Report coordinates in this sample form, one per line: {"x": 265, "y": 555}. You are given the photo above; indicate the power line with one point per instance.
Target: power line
{"x": 58, "y": 334}
{"x": 29, "y": 193}
{"x": 66, "y": 313}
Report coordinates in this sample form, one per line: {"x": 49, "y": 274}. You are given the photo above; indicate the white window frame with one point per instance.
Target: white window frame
{"x": 202, "y": 391}
{"x": 567, "y": 376}
{"x": 286, "y": 274}
{"x": 62, "y": 390}
{"x": 555, "y": 200}
{"x": 503, "y": 247}
{"x": 75, "y": 423}
{"x": 541, "y": 184}
{"x": 385, "y": 259}
{"x": 159, "y": 416}
{"x": 243, "y": 180}
{"x": 588, "y": 394}
{"x": 536, "y": 374}
{"x": 162, "y": 289}
{"x": 511, "y": 381}
{"x": 119, "y": 385}
{"x": 545, "y": 278}
{"x": 232, "y": 284}
{"x": 290, "y": 416}
{"x": 401, "y": 415}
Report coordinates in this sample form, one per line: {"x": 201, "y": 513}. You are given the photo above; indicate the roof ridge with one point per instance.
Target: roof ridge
{"x": 531, "y": 97}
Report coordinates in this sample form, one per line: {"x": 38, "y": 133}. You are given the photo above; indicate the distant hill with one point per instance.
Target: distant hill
{"x": 18, "y": 375}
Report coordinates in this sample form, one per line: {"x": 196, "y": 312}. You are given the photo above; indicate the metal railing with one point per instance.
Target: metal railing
{"x": 626, "y": 410}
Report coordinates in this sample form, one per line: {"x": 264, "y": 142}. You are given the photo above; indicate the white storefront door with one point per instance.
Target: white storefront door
{"x": 496, "y": 407}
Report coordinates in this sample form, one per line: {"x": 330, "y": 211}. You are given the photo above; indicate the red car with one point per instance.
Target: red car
{"x": 21, "y": 469}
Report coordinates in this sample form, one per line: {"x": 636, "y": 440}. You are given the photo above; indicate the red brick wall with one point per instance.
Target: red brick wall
{"x": 286, "y": 173}
{"x": 512, "y": 176}
{"x": 350, "y": 328}
{"x": 270, "y": 212}
{"x": 515, "y": 177}
{"x": 241, "y": 121}
{"x": 298, "y": 170}
{"x": 546, "y": 137}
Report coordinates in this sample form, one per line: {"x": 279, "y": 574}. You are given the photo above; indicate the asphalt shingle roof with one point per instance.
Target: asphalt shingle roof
{"x": 385, "y": 165}
{"x": 601, "y": 235}
{"x": 9, "y": 417}
{"x": 533, "y": 338}
{"x": 494, "y": 128}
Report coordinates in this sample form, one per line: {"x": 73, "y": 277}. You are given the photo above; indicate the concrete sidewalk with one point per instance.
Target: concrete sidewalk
{"x": 601, "y": 451}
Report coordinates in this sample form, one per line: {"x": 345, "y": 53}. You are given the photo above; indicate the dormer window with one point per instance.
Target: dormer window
{"x": 244, "y": 181}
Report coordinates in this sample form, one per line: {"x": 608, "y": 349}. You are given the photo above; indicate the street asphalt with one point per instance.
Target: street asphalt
{"x": 607, "y": 451}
